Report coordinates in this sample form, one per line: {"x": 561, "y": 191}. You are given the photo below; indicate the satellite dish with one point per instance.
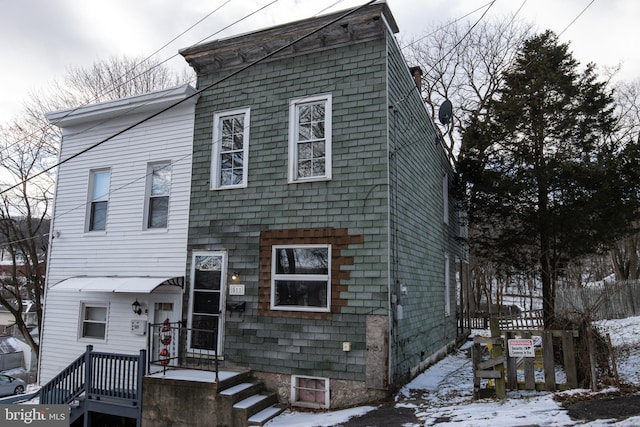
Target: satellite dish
{"x": 445, "y": 112}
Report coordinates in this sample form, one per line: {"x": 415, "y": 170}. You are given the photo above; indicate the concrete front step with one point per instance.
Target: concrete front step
{"x": 262, "y": 417}
{"x": 241, "y": 391}
{"x": 247, "y": 408}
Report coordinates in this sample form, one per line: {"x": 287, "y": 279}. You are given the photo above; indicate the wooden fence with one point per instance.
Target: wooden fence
{"x": 607, "y": 301}
{"x": 501, "y": 367}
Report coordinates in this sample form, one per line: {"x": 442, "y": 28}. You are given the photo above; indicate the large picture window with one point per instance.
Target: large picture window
{"x": 93, "y": 321}
{"x": 310, "y": 138}
{"x": 99, "y": 199}
{"x": 301, "y": 279}
{"x": 230, "y": 149}
{"x": 159, "y": 187}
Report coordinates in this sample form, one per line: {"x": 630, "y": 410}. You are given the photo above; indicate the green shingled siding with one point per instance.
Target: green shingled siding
{"x": 420, "y": 238}
{"x": 355, "y": 199}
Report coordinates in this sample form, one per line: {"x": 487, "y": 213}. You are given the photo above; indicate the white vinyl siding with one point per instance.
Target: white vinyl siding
{"x": 160, "y": 251}
{"x": 310, "y": 138}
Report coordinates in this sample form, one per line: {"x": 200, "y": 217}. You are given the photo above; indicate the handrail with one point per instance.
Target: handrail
{"x": 173, "y": 346}
{"x": 98, "y": 375}
{"x": 68, "y": 384}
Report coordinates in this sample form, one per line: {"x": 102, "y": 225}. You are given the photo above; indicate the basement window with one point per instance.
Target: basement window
{"x": 310, "y": 392}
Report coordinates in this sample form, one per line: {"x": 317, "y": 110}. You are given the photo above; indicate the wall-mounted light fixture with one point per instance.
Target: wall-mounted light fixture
{"x": 235, "y": 275}
{"x": 136, "y": 308}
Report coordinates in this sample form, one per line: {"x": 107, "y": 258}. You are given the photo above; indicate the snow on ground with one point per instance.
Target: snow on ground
{"x": 443, "y": 394}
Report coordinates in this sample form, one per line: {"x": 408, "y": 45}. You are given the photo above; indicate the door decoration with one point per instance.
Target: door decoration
{"x": 166, "y": 338}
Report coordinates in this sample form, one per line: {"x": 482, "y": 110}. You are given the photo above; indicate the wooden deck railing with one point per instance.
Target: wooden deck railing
{"x": 118, "y": 376}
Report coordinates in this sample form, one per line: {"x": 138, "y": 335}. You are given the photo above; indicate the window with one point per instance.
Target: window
{"x": 310, "y": 138}
{"x": 230, "y": 149}
{"x": 447, "y": 287}
{"x": 159, "y": 186}
{"x": 208, "y": 272}
{"x": 94, "y": 321}
{"x": 445, "y": 198}
{"x": 99, "y": 182}
{"x": 300, "y": 279}
{"x": 311, "y": 392}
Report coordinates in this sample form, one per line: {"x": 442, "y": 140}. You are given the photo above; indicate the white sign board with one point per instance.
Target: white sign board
{"x": 236, "y": 289}
{"x": 521, "y": 348}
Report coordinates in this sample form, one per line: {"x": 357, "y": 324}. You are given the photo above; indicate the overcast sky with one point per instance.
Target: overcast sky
{"x": 40, "y": 39}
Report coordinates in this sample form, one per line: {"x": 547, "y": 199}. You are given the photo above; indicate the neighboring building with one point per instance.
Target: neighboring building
{"x": 119, "y": 228}
{"x": 320, "y": 184}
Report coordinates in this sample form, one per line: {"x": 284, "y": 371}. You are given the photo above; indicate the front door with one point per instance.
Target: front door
{"x": 206, "y": 302}
{"x": 165, "y": 315}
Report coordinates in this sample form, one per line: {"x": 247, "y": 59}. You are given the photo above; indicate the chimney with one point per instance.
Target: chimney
{"x": 416, "y": 72}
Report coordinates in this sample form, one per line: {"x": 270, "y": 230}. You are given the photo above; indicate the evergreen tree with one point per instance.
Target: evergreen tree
{"x": 547, "y": 180}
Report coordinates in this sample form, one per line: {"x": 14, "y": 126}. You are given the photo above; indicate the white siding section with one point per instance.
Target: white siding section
{"x": 125, "y": 248}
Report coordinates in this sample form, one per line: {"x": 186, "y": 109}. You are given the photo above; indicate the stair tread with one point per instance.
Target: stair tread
{"x": 250, "y": 401}
{"x": 265, "y": 414}
{"x": 236, "y": 389}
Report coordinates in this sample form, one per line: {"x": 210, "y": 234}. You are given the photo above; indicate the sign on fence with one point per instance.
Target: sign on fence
{"x": 521, "y": 348}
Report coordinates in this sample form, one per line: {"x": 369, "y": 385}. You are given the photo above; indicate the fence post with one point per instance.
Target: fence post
{"x": 568, "y": 351}
{"x": 88, "y": 375}
{"x": 512, "y": 368}
{"x": 497, "y": 351}
{"x": 549, "y": 364}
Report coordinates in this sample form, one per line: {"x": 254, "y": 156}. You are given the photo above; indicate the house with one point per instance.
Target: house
{"x": 119, "y": 228}
{"x": 307, "y": 237}
{"x": 323, "y": 243}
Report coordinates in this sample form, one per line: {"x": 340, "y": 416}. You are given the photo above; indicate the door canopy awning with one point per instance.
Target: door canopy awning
{"x": 131, "y": 285}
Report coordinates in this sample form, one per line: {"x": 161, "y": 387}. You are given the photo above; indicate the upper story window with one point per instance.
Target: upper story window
{"x": 300, "y": 278}
{"x": 230, "y": 149}
{"x": 99, "y": 199}
{"x": 310, "y": 138}
{"x": 158, "y": 189}
{"x": 445, "y": 198}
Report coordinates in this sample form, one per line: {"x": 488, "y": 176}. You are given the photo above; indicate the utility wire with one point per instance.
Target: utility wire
{"x": 115, "y": 85}
{"x": 576, "y": 18}
{"x": 447, "y": 25}
{"x": 197, "y": 93}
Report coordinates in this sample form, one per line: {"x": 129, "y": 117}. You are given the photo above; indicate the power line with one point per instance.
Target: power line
{"x": 576, "y": 18}
{"x": 415, "y": 87}
{"x": 115, "y": 85}
{"x": 197, "y": 93}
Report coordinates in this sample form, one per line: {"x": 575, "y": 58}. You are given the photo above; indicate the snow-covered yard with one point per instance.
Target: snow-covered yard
{"x": 443, "y": 394}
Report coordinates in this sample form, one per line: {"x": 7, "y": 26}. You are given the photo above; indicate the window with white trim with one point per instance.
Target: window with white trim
{"x": 447, "y": 287}
{"x": 301, "y": 278}
{"x": 93, "y": 320}
{"x": 445, "y": 198}
{"x": 158, "y": 189}
{"x": 310, "y": 392}
{"x": 99, "y": 182}
{"x": 310, "y": 138}
{"x": 230, "y": 155}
